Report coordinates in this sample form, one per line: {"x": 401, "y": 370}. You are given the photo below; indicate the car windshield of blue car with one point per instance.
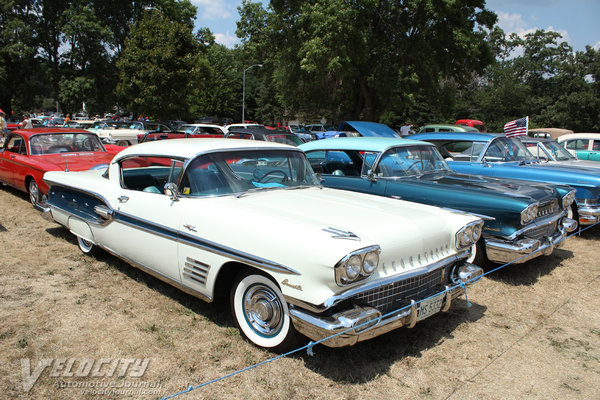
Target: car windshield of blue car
{"x": 507, "y": 149}
{"x": 558, "y": 152}
{"x": 243, "y": 171}
{"x": 410, "y": 161}
{"x": 64, "y": 143}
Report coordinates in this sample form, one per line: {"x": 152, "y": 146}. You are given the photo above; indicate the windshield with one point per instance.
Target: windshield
{"x": 507, "y": 149}
{"x": 237, "y": 172}
{"x": 558, "y": 152}
{"x": 64, "y": 143}
{"x": 285, "y": 139}
{"x": 410, "y": 160}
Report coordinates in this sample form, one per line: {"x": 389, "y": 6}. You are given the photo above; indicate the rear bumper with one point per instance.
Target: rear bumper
{"x": 360, "y": 323}
{"x": 522, "y": 250}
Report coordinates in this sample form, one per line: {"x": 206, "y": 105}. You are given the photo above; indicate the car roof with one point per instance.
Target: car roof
{"x": 359, "y": 143}
{"x": 455, "y": 128}
{"x": 187, "y": 148}
{"x": 56, "y": 130}
{"x": 579, "y": 136}
{"x": 471, "y": 136}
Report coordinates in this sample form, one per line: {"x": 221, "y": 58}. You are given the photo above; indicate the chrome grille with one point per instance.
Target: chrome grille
{"x": 542, "y": 231}
{"x": 195, "y": 270}
{"x": 396, "y": 295}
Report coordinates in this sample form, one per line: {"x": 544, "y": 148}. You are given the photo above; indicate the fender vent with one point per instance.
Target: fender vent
{"x": 195, "y": 271}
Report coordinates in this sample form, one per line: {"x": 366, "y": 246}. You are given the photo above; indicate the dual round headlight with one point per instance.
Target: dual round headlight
{"x": 529, "y": 214}
{"x": 469, "y": 234}
{"x": 357, "y": 265}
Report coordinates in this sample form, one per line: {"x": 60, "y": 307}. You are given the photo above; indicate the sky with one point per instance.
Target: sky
{"x": 576, "y": 20}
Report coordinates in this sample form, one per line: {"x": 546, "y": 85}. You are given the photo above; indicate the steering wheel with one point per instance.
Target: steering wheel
{"x": 58, "y": 149}
{"x": 274, "y": 171}
{"x": 413, "y": 164}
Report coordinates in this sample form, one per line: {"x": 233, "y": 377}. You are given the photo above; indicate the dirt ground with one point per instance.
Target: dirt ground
{"x": 532, "y": 331}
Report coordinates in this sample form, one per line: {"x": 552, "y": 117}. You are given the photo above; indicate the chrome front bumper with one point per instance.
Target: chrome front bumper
{"x": 589, "y": 214}
{"x": 360, "y": 323}
{"x": 522, "y": 250}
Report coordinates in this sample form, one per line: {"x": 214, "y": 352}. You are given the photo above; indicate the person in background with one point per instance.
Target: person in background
{"x": 3, "y": 127}
{"x": 26, "y": 124}
{"x": 405, "y": 130}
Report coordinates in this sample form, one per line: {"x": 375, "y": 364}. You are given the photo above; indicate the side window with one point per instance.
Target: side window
{"x": 340, "y": 163}
{"x": 577, "y": 144}
{"x": 596, "y": 145}
{"x": 462, "y": 151}
{"x": 149, "y": 174}
{"x": 16, "y": 145}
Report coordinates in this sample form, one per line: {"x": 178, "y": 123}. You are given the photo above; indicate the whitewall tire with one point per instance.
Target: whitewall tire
{"x": 86, "y": 246}
{"x": 261, "y": 313}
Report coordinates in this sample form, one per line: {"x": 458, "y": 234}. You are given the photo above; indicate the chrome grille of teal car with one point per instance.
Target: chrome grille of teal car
{"x": 396, "y": 295}
{"x": 542, "y": 231}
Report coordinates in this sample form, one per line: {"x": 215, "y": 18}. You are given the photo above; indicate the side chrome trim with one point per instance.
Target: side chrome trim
{"x": 201, "y": 243}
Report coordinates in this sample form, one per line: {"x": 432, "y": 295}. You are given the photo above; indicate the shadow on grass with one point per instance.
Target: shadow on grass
{"x": 218, "y": 312}
{"x": 531, "y": 271}
{"x": 360, "y": 363}
{"x": 365, "y": 361}
{"x": 590, "y": 233}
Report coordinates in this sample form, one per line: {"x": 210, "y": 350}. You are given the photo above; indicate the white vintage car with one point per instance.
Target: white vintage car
{"x": 249, "y": 221}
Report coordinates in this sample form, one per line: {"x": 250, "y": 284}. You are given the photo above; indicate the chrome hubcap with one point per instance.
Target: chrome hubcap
{"x": 33, "y": 192}
{"x": 263, "y": 310}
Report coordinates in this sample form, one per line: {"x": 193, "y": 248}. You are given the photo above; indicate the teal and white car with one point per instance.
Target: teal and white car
{"x": 584, "y": 146}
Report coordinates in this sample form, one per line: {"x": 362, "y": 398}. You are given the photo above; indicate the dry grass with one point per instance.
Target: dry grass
{"x": 533, "y": 330}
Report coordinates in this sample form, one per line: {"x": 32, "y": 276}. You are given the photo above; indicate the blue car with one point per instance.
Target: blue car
{"x": 498, "y": 156}
{"x": 521, "y": 217}
{"x": 359, "y": 128}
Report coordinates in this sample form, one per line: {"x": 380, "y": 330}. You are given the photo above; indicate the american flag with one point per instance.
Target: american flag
{"x": 517, "y": 127}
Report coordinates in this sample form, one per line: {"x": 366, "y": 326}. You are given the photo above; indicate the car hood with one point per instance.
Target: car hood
{"x": 479, "y": 185}
{"x": 333, "y": 223}
{"x": 576, "y": 163}
{"x": 76, "y": 161}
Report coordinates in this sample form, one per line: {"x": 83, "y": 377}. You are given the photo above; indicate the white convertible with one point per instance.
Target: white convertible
{"x": 249, "y": 220}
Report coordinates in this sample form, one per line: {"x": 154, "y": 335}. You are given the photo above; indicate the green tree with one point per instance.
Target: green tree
{"x": 17, "y": 51}
{"x": 162, "y": 71}
{"x": 364, "y": 59}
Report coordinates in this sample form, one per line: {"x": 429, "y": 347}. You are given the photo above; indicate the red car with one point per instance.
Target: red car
{"x": 28, "y": 153}
{"x": 472, "y": 122}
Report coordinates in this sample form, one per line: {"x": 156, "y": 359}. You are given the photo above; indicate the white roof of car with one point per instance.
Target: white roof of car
{"x": 579, "y": 136}
{"x": 187, "y": 148}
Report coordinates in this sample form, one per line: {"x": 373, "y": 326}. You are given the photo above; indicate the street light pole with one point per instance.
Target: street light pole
{"x": 244, "y": 88}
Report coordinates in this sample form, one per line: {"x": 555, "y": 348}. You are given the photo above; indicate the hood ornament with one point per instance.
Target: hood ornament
{"x": 340, "y": 234}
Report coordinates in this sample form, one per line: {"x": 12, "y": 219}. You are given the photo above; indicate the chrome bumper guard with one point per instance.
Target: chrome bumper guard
{"x": 589, "y": 214}
{"x": 44, "y": 208}
{"x": 522, "y": 250}
{"x": 360, "y": 323}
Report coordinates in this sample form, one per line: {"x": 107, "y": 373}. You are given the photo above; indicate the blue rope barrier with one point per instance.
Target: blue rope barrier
{"x": 309, "y": 346}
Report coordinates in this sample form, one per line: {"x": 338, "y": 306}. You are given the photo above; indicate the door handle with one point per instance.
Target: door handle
{"x": 123, "y": 199}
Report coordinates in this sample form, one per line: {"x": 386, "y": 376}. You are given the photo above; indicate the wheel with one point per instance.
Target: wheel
{"x": 573, "y": 214}
{"x": 87, "y": 247}
{"x": 123, "y": 143}
{"x": 261, "y": 313}
{"x": 478, "y": 256}
{"x": 34, "y": 192}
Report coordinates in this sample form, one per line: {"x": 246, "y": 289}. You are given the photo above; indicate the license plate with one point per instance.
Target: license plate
{"x": 430, "y": 306}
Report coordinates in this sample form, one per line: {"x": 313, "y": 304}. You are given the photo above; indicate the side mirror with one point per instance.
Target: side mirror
{"x": 171, "y": 191}
{"x": 371, "y": 176}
